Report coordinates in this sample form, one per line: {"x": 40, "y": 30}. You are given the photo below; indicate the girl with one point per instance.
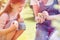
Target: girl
{"x": 10, "y": 31}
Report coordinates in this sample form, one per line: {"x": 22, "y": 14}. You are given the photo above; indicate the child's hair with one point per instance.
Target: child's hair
{"x": 8, "y": 9}
{"x": 17, "y": 1}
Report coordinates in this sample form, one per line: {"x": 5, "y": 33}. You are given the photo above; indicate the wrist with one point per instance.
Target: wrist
{"x": 15, "y": 23}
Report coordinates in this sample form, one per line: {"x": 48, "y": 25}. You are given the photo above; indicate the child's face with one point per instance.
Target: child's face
{"x": 17, "y": 6}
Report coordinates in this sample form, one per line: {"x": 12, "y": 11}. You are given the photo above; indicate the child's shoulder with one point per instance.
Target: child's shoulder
{"x": 4, "y": 15}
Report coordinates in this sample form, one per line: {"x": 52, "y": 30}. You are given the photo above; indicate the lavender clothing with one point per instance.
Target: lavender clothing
{"x": 52, "y": 11}
{"x": 44, "y": 29}
{"x": 41, "y": 35}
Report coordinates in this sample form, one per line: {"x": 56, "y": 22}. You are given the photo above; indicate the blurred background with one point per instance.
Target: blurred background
{"x": 27, "y": 13}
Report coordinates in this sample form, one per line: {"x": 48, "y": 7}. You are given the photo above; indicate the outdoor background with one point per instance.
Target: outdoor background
{"x": 29, "y": 33}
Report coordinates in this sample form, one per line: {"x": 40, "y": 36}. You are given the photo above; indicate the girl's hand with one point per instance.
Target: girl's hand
{"x": 15, "y": 23}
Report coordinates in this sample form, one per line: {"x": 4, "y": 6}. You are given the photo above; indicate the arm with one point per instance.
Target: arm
{"x": 13, "y": 26}
{"x": 35, "y": 7}
{"x": 21, "y": 30}
{"x": 50, "y": 17}
{"x": 53, "y": 17}
{"x": 36, "y": 11}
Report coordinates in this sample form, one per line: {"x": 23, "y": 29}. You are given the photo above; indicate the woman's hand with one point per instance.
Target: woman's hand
{"x": 46, "y": 15}
{"x": 40, "y": 18}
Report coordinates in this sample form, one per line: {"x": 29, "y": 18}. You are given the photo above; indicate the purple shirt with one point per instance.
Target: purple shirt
{"x": 52, "y": 11}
